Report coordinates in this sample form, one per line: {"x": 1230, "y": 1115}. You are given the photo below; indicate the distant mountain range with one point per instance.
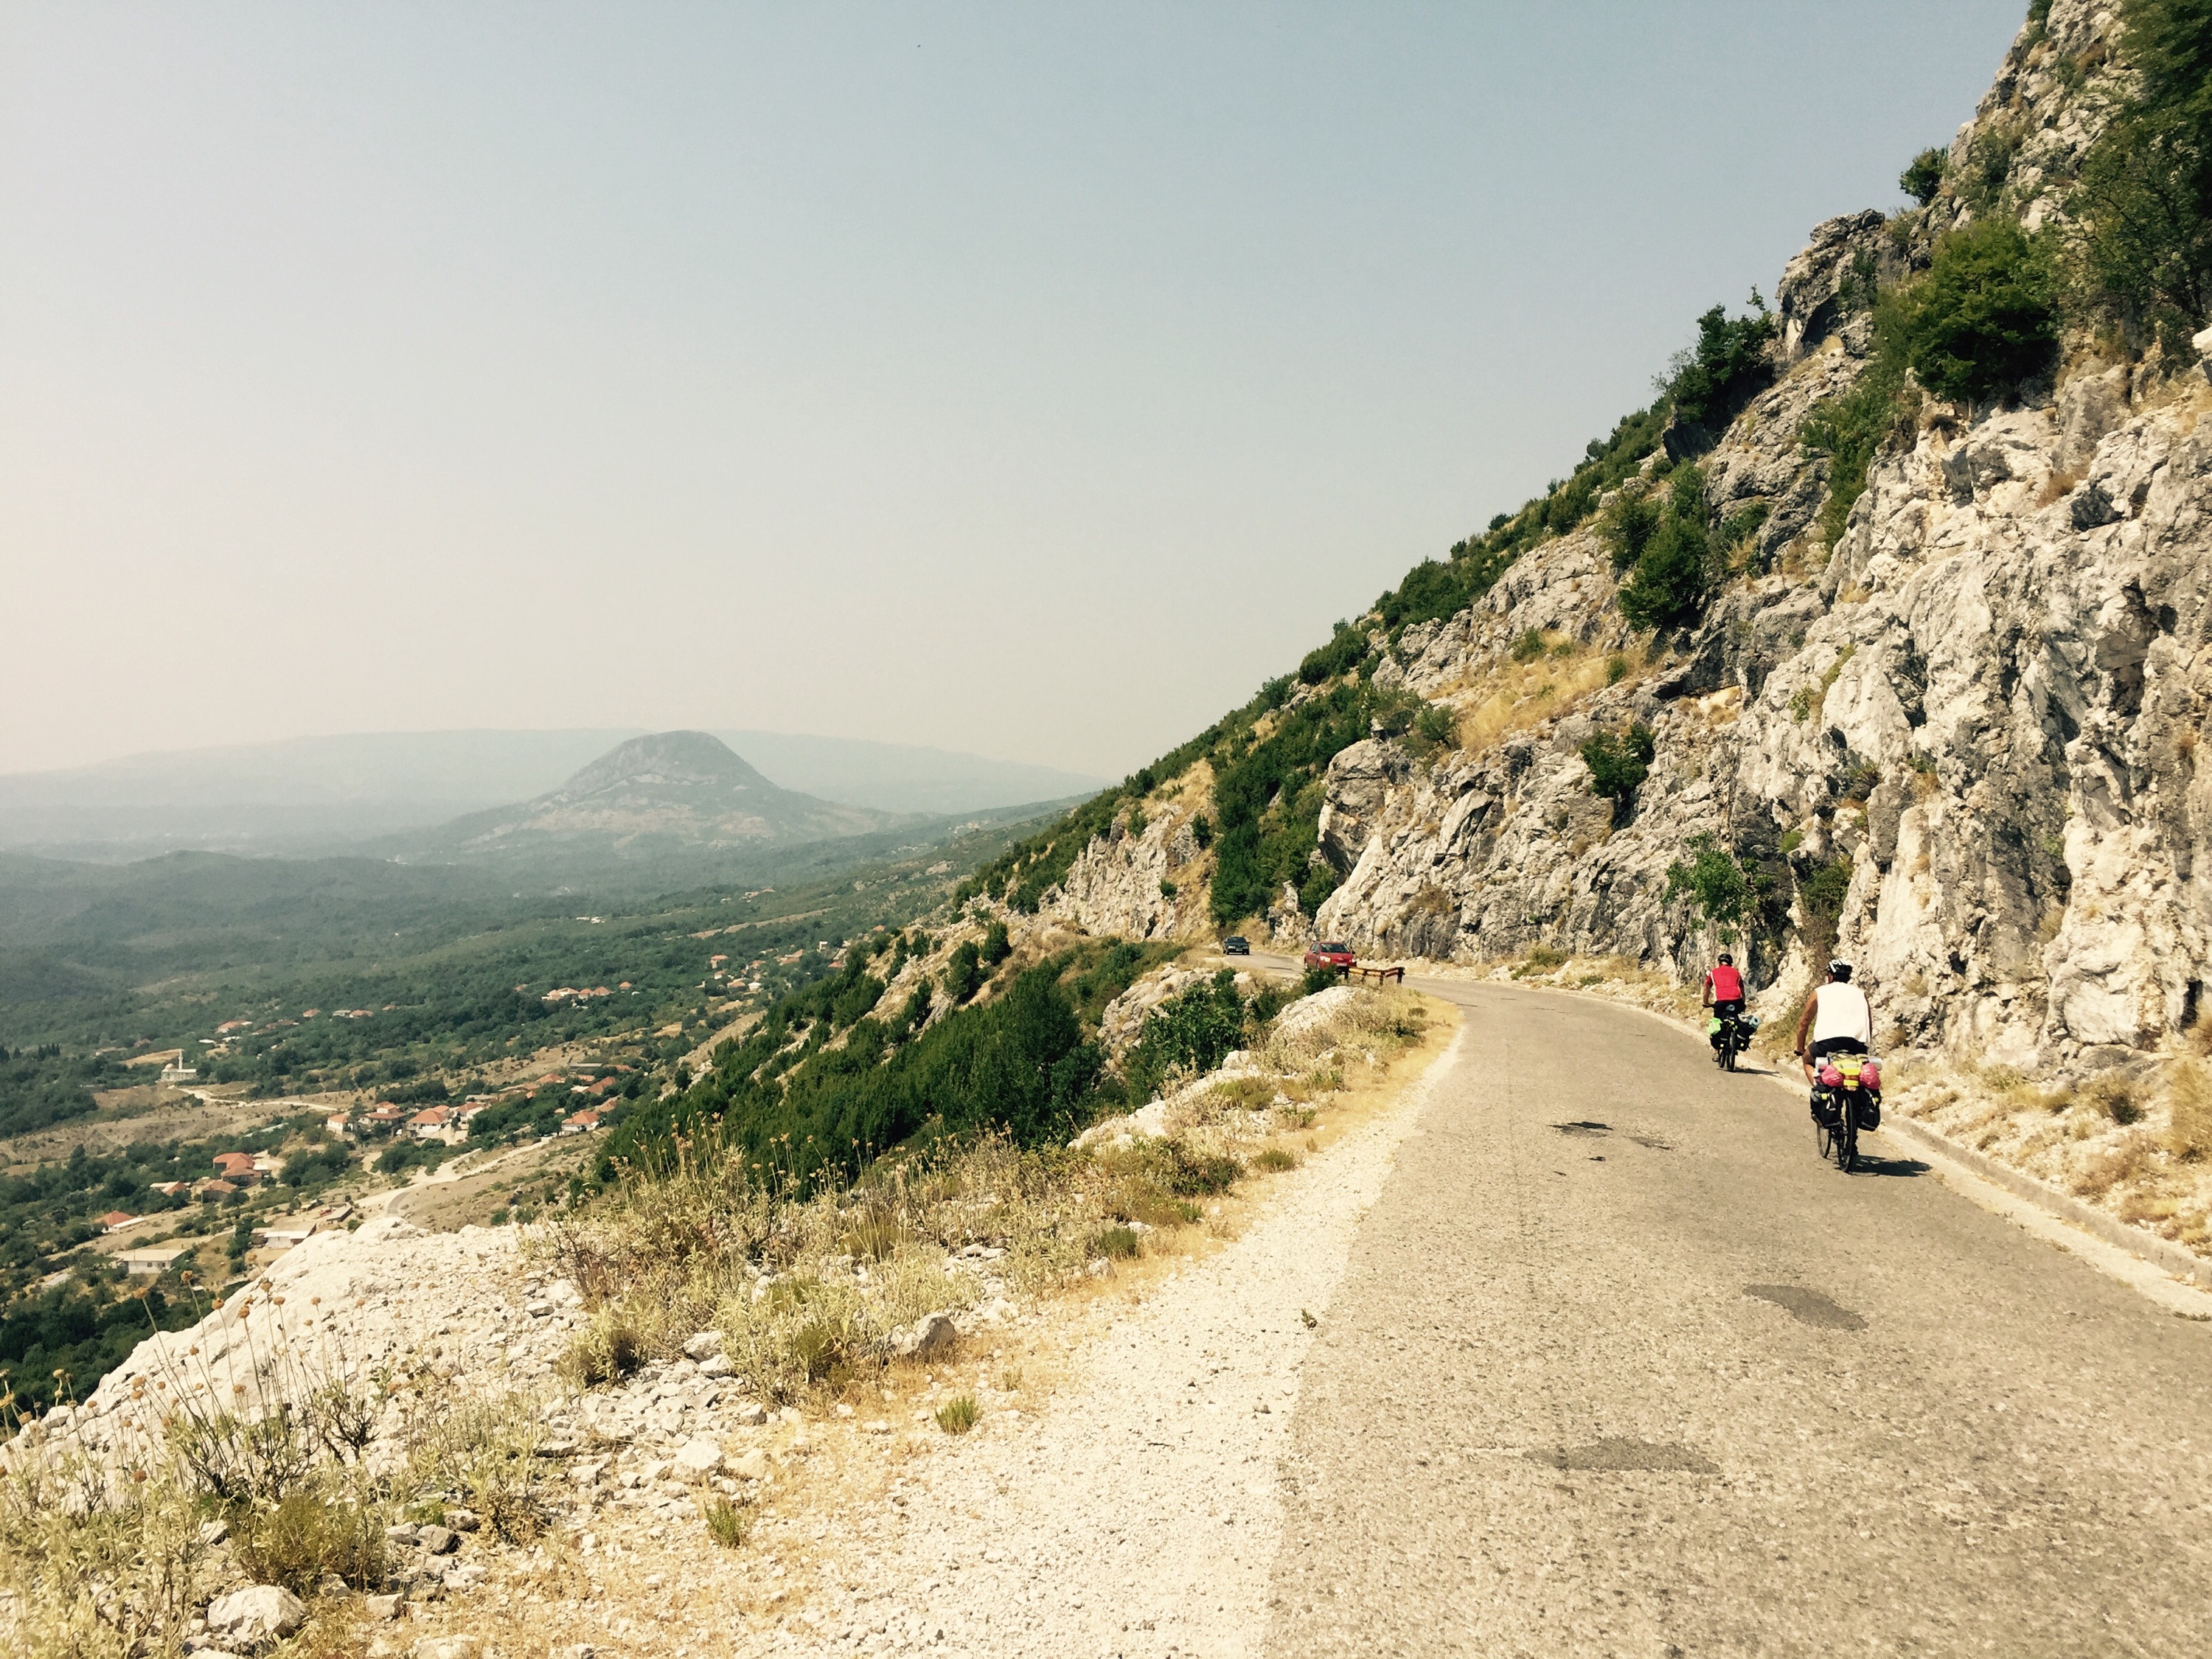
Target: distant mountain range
{"x": 665, "y": 793}
{"x": 311, "y": 795}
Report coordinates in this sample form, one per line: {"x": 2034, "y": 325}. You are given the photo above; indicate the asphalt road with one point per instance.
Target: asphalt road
{"x": 1618, "y": 1367}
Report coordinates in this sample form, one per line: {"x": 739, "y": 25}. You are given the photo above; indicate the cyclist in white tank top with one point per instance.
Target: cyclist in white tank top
{"x": 1837, "y": 1020}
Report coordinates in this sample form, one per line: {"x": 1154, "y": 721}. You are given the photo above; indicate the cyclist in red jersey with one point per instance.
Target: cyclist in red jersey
{"x": 1723, "y": 992}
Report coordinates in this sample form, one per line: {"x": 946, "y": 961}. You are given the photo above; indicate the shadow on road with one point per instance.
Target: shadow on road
{"x": 1870, "y": 1165}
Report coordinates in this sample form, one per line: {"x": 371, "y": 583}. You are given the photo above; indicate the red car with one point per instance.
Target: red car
{"x": 1330, "y": 954}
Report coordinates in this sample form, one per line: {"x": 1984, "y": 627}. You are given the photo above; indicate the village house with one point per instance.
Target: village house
{"x": 384, "y": 1117}
{"x": 435, "y": 1123}
{"x": 238, "y": 1167}
{"x": 115, "y": 1221}
{"x": 580, "y": 1123}
{"x": 213, "y": 1191}
{"x": 283, "y": 1234}
{"x": 149, "y": 1260}
{"x": 339, "y": 1123}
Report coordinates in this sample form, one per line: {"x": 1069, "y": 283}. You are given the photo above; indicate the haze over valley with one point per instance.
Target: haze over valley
{"x": 1575, "y": 1025}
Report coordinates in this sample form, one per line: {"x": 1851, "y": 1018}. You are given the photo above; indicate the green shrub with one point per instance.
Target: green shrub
{"x": 1437, "y": 726}
{"x": 1201, "y": 831}
{"x": 2142, "y": 207}
{"x": 1986, "y": 317}
{"x": 963, "y": 973}
{"x": 2117, "y": 1097}
{"x": 726, "y": 1524}
{"x": 1820, "y": 894}
{"x": 1436, "y": 589}
{"x": 1746, "y": 522}
{"x": 854, "y": 1001}
{"x": 997, "y": 947}
{"x": 1268, "y": 798}
{"x": 1627, "y": 527}
{"x": 1620, "y": 764}
{"x": 1343, "y": 653}
{"x": 1317, "y": 979}
{"x": 1671, "y": 578}
{"x": 1540, "y": 959}
{"x": 1923, "y": 175}
{"x": 1189, "y": 1032}
{"x": 1117, "y": 1243}
{"x": 605, "y": 1350}
{"x": 1529, "y": 646}
{"x": 1712, "y": 876}
{"x": 1728, "y": 362}
{"x": 1276, "y": 1160}
{"x": 958, "y": 1415}
{"x": 1850, "y": 430}
{"x": 314, "y": 1529}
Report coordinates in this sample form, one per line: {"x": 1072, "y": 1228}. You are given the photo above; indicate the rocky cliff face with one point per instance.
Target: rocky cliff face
{"x": 1963, "y": 745}
{"x": 1147, "y": 884}
{"x": 1960, "y": 747}
{"x": 1982, "y": 713}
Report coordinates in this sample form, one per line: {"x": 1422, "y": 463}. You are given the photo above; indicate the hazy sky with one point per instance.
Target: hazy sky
{"x": 1028, "y": 379}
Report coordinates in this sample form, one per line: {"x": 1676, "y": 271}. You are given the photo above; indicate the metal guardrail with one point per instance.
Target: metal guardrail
{"x": 1380, "y": 976}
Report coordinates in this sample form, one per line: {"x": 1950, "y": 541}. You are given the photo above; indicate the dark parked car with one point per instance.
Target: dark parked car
{"x": 1330, "y": 954}
{"x": 1236, "y": 945}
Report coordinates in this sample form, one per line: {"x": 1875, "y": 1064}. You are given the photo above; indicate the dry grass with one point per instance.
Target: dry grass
{"x": 102, "y": 1554}
{"x": 1510, "y": 696}
{"x": 2189, "y": 1103}
{"x": 704, "y": 1597}
{"x": 2129, "y": 1143}
{"x": 2057, "y": 486}
{"x": 809, "y": 1289}
{"x": 2119, "y": 1097}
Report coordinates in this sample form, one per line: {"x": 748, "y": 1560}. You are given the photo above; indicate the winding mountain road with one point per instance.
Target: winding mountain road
{"x": 1616, "y": 1366}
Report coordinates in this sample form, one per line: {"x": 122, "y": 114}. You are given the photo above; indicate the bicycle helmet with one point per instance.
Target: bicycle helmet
{"x": 1727, "y": 960}
{"x": 1839, "y": 969}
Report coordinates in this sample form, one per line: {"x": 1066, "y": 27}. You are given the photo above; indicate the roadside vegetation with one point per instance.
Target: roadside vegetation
{"x": 835, "y": 1076}
{"x": 810, "y": 1278}
{"x": 104, "y": 1557}
{"x": 312, "y": 1474}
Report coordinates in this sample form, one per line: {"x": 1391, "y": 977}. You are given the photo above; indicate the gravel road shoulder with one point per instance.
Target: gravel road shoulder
{"x": 1138, "y": 1514}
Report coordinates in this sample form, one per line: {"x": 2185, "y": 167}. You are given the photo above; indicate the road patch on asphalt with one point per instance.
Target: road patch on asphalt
{"x": 1617, "y": 1455}
{"x": 1808, "y": 1307}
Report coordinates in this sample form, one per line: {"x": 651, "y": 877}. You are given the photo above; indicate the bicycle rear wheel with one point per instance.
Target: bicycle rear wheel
{"x": 1728, "y": 1052}
{"x": 1847, "y": 1141}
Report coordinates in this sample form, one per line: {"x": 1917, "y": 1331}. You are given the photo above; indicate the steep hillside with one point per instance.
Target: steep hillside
{"x": 1882, "y": 631}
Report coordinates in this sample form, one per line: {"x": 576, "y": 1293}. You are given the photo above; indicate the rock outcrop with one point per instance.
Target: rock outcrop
{"x": 1963, "y": 746}
{"x": 1959, "y": 746}
{"x": 1125, "y": 884}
